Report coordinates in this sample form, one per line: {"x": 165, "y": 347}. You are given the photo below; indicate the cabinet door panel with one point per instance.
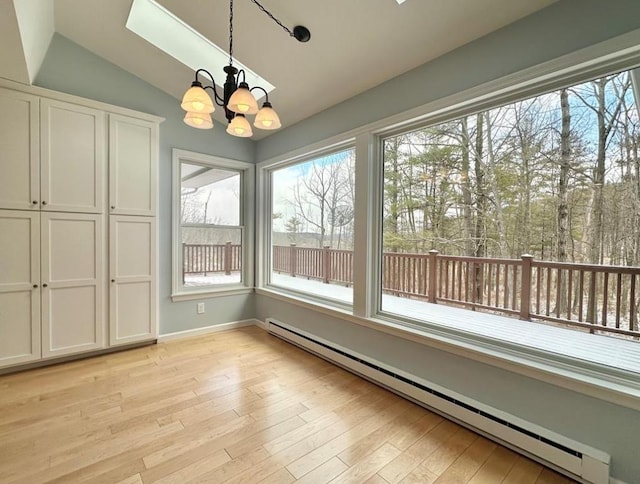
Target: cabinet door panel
{"x": 132, "y": 263}
{"x": 19, "y": 300}
{"x": 133, "y": 153}
{"x": 72, "y": 157}
{"x": 19, "y": 156}
{"x": 72, "y": 317}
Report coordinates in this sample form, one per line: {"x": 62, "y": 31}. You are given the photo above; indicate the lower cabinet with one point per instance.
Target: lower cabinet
{"x": 19, "y": 287}
{"x": 72, "y": 283}
{"x": 52, "y": 283}
{"x": 132, "y": 292}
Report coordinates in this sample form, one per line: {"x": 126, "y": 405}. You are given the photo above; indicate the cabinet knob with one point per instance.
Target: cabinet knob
{"x": 44, "y": 285}
{"x": 113, "y": 280}
{"x": 113, "y": 207}
{"x": 44, "y": 203}
{"x": 35, "y": 202}
{"x": 35, "y": 286}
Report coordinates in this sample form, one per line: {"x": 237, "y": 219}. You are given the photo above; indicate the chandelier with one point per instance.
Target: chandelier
{"x": 236, "y": 99}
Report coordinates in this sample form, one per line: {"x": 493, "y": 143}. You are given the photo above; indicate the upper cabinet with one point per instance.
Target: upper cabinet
{"x": 19, "y": 156}
{"x": 52, "y": 156}
{"x": 71, "y": 157}
{"x": 133, "y": 146}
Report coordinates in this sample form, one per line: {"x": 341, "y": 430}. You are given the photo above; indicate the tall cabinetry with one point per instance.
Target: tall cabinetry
{"x": 133, "y": 146}
{"x": 57, "y": 253}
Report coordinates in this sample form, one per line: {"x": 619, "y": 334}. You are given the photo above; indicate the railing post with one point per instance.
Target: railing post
{"x": 525, "y": 287}
{"x": 433, "y": 275}
{"x": 293, "y": 259}
{"x": 326, "y": 264}
{"x": 227, "y": 258}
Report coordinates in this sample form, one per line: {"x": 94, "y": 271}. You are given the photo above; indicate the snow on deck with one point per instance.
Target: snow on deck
{"x": 600, "y": 349}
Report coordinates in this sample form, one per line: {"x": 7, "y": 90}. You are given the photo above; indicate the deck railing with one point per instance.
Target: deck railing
{"x": 598, "y": 297}
{"x": 205, "y": 259}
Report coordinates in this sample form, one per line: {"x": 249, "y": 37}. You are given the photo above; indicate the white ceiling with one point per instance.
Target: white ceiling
{"x": 355, "y": 44}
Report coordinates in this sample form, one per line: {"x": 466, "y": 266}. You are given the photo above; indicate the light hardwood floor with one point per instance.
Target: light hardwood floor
{"x": 239, "y": 406}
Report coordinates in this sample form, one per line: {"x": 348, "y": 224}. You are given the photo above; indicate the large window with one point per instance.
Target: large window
{"x": 210, "y": 230}
{"x": 510, "y": 227}
{"x": 531, "y": 210}
{"x": 312, "y": 226}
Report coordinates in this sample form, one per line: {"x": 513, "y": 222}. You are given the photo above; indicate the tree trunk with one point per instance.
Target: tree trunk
{"x": 467, "y": 203}
{"x": 563, "y": 190}
{"x": 480, "y": 229}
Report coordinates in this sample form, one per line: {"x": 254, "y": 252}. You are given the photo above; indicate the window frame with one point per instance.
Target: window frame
{"x": 265, "y": 219}
{"x": 247, "y": 192}
{"x": 599, "y": 381}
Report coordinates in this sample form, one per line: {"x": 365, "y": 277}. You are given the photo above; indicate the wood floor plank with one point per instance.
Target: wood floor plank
{"x": 325, "y": 472}
{"x": 237, "y": 406}
{"x": 367, "y": 467}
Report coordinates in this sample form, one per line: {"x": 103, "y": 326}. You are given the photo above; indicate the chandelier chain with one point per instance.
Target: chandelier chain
{"x": 273, "y": 18}
{"x": 230, "y": 32}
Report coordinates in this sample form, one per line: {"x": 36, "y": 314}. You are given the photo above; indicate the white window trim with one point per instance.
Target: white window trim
{"x": 264, "y": 217}
{"x": 247, "y": 204}
{"x": 605, "y": 383}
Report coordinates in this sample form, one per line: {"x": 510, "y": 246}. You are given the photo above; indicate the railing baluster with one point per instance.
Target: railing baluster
{"x": 514, "y": 292}
{"x": 618, "y": 300}
{"x": 581, "y": 296}
{"x": 605, "y": 297}
{"x": 558, "y": 288}
{"x": 632, "y": 304}
{"x": 548, "y": 293}
{"x": 591, "y": 303}
{"x": 505, "y": 299}
{"x": 569, "y": 294}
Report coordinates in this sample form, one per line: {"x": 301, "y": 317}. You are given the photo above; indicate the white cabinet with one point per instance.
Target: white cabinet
{"x": 132, "y": 267}
{"x": 56, "y": 297}
{"x": 72, "y": 157}
{"x": 52, "y": 156}
{"x": 19, "y": 153}
{"x": 19, "y": 287}
{"x": 72, "y": 283}
{"x": 133, "y": 153}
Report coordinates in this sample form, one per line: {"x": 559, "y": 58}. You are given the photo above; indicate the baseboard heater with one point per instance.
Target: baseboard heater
{"x": 575, "y": 460}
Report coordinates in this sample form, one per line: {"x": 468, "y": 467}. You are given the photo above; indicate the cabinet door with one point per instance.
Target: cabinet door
{"x": 19, "y": 151}
{"x": 132, "y": 263}
{"x": 72, "y": 285}
{"x": 72, "y": 157}
{"x": 133, "y": 154}
{"x": 19, "y": 299}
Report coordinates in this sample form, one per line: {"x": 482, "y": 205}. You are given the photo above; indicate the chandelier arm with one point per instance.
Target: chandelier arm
{"x": 241, "y": 71}
{"x": 270, "y": 15}
{"x": 266, "y": 94}
{"x": 217, "y": 98}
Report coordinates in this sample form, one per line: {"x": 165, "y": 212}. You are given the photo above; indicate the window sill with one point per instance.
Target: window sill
{"x": 210, "y": 293}
{"x": 596, "y": 380}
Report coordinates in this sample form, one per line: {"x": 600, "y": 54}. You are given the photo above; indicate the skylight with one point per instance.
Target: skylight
{"x": 160, "y": 27}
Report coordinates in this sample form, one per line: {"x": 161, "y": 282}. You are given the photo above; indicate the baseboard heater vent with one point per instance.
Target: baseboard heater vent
{"x": 578, "y": 461}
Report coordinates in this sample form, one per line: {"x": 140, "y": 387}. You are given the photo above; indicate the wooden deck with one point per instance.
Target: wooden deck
{"x": 239, "y": 406}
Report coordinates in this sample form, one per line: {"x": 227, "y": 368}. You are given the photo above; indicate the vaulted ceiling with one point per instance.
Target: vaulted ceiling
{"x": 355, "y": 44}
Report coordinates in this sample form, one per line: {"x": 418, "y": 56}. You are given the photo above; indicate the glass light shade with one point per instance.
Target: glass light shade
{"x": 196, "y": 100}
{"x": 239, "y": 126}
{"x": 242, "y": 101}
{"x": 199, "y": 120}
{"x": 267, "y": 118}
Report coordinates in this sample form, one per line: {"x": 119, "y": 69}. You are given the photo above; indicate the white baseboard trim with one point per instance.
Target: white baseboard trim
{"x": 210, "y": 329}
{"x": 262, "y": 325}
